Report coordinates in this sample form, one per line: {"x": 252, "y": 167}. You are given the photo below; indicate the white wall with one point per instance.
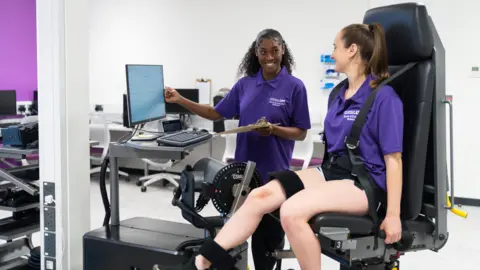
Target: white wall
{"x": 194, "y": 39}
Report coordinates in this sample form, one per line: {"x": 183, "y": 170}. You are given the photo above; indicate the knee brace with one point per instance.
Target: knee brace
{"x": 289, "y": 180}
{"x": 218, "y": 256}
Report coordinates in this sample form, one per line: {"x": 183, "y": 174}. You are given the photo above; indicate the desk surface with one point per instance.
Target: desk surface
{"x": 150, "y": 149}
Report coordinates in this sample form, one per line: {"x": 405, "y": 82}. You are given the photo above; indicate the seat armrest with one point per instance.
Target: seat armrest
{"x": 360, "y": 225}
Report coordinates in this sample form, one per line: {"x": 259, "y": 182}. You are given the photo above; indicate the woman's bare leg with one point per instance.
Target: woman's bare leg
{"x": 243, "y": 223}
{"x": 333, "y": 196}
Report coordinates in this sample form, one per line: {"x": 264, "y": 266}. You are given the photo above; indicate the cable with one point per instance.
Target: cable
{"x": 123, "y": 141}
{"x": 103, "y": 190}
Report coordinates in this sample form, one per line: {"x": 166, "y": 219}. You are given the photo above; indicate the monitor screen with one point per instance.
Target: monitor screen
{"x": 191, "y": 94}
{"x": 145, "y": 92}
{"x": 8, "y": 102}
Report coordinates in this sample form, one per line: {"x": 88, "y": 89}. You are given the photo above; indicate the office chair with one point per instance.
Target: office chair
{"x": 411, "y": 38}
{"x": 302, "y": 156}
{"x": 99, "y": 132}
{"x": 163, "y": 175}
{"x": 230, "y": 141}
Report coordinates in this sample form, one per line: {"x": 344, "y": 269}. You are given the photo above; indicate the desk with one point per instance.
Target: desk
{"x": 138, "y": 150}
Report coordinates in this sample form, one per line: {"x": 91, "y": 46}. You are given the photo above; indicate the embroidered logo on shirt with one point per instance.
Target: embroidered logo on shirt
{"x": 350, "y": 115}
{"x": 277, "y": 102}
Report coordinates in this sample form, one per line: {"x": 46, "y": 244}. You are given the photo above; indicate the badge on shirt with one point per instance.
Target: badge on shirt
{"x": 277, "y": 102}
{"x": 350, "y": 115}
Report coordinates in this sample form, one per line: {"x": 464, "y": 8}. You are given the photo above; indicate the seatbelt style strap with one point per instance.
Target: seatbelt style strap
{"x": 352, "y": 142}
{"x": 335, "y": 91}
{"x": 331, "y": 97}
{"x": 354, "y": 136}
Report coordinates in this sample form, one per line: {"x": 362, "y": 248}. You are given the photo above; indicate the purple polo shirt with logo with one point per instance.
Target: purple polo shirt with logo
{"x": 281, "y": 100}
{"x": 382, "y": 133}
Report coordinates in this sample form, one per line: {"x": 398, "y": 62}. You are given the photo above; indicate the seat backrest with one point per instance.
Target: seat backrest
{"x": 303, "y": 150}
{"x": 409, "y": 39}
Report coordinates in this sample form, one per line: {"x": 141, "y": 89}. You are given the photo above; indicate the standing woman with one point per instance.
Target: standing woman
{"x": 268, "y": 90}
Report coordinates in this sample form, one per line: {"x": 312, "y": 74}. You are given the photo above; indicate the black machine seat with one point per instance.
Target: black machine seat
{"x": 363, "y": 225}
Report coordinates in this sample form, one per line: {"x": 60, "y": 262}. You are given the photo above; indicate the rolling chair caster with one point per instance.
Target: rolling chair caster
{"x": 139, "y": 183}
{"x": 127, "y": 179}
{"x": 143, "y": 188}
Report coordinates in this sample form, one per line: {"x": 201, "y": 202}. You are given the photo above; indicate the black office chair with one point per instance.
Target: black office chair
{"x": 411, "y": 37}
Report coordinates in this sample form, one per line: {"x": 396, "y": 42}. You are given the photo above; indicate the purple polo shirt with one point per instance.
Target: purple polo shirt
{"x": 382, "y": 133}
{"x": 281, "y": 100}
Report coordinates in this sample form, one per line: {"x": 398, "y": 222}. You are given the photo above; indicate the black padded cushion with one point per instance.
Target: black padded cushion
{"x": 407, "y": 30}
{"x": 415, "y": 88}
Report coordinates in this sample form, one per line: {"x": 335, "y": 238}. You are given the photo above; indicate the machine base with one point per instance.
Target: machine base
{"x": 391, "y": 266}
{"x": 142, "y": 243}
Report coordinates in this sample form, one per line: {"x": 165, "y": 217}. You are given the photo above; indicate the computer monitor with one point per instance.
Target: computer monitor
{"x": 145, "y": 93}
{"x": 8, "y": 102}
{"x": 34, "y": 107}
{"x": 191, "y": 94}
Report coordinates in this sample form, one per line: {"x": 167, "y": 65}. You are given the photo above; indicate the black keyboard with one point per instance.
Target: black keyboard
{"x": 184, "y": 138}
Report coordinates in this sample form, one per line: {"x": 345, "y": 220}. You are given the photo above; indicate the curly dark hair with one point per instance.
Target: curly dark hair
{"x": 250, "y": 65}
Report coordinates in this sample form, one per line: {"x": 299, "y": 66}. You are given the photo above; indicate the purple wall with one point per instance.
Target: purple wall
{"x": 18, "y": 47}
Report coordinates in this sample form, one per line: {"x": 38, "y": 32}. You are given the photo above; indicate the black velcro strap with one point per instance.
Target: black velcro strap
{"x": 218, "y": 256}
{"x": 289, "y": 180}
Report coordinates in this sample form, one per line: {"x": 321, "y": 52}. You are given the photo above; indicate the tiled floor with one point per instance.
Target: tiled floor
{"x": 459, "y": 253}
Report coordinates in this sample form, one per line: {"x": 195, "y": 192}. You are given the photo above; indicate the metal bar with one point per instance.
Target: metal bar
{"x": 22, "y": 168}
{"x": 239, "y": 196}
{"x": 283, "y": 254}
{"x": 452, "y": 195}
{"x": 114, "y": 191}
{"x": 18, "y": 182}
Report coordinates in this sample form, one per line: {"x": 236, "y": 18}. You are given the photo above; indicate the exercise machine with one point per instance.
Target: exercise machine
{"x": 146, "y": 243}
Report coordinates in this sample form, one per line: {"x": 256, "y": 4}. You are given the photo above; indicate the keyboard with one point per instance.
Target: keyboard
{"x": 184, "y": 138}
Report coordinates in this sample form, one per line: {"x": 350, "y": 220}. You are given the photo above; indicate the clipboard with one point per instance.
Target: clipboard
{"x": 262, "y": 123}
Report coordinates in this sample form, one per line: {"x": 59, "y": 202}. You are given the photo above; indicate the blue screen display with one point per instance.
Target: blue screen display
{"x": 146, "y": 92}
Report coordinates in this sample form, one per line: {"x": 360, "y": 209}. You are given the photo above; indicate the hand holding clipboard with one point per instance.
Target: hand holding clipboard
{"x": 262, "y": 123}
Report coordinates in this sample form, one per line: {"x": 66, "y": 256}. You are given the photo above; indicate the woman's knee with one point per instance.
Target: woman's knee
{"x": 266, "y": 198}
{"x": 290, "y": 215}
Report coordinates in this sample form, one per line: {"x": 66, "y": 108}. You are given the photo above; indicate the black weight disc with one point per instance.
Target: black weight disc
{"x": 223, "y": 184}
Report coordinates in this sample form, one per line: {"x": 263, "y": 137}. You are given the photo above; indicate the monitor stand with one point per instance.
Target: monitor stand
{"x": 145, "y": 136}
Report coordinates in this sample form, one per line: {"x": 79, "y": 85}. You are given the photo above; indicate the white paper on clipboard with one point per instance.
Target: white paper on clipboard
{"x": 204, "y": 87}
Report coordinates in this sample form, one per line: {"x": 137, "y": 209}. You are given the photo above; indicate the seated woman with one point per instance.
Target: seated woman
{"x": 360, "y": 53}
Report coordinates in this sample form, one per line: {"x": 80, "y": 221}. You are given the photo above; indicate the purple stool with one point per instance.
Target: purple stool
{"x": 314, "y": 162}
